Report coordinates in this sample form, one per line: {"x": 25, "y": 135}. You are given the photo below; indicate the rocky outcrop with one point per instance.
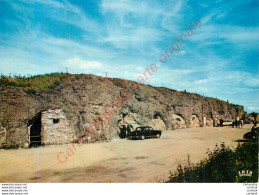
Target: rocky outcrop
{"x": 100, "y": 108}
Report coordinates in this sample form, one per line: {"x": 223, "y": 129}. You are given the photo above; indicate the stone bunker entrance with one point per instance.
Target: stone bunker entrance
{"x": 35, "y": 130}
{"x": 50, "y": 127}
{"x": 178, "y": 122}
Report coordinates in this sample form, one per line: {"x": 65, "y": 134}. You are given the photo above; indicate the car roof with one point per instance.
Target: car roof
{"x": 142, "y": 126}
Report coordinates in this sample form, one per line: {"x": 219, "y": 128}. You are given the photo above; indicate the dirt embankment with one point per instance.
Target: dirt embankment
{"x": 82, "y": 100}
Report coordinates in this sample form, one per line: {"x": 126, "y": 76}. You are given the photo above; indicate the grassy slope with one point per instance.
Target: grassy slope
{"x": 38, "y": 83}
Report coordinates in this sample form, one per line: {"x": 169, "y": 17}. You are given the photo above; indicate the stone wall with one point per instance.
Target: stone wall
{"x": 55, "y": 128}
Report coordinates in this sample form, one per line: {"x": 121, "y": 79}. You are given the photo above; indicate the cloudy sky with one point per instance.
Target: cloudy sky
{"x": 124, "y": 37}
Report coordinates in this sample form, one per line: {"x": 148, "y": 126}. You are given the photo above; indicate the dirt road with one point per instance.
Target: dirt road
{"x": 116, "y": 161}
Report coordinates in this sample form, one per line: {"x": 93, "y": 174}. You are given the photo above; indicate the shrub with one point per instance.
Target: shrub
{"x": 221, "y": 165}
{"x": 38, "y": 83}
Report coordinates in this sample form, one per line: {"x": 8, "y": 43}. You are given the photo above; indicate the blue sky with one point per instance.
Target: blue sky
{"x": 123, "y": 37}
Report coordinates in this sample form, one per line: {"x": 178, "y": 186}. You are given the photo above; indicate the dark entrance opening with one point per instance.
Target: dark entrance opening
{"x": 125, "y": 130}
{"x": 157, "y": 115}
{"x": 35, "y": 130}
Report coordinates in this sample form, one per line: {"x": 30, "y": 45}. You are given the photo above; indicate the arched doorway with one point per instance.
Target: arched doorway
{"x": 35, "y": 130}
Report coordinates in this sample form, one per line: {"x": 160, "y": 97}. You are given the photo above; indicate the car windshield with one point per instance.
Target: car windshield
{"x": 143, "y": 128}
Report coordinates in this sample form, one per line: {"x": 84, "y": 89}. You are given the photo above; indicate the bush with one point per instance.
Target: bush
{"x": 221, "y": 165}
{"x": 39, "y": 83}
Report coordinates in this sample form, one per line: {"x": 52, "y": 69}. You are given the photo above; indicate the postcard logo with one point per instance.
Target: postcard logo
{"x": 245, "y": 173}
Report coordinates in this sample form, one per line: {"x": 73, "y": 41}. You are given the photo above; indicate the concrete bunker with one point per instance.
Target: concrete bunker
{"x": 50, "y": 127}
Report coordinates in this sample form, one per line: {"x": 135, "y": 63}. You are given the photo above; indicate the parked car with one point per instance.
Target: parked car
{"x": 144, "y": 132}
{"x": 227, "y": 122}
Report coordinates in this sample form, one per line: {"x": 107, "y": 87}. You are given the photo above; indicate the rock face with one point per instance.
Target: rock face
{"x": 100, "y": 109}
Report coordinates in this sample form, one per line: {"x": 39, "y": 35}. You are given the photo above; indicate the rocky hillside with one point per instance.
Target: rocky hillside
{"x": 101, "y": 108}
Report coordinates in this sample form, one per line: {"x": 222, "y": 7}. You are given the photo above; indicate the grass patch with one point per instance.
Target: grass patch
{"x": 221, "y": 165}
{"x": 38, "y": 83}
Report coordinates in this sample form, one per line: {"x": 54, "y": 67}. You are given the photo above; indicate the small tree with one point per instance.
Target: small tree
{"x": 254, "y": 115}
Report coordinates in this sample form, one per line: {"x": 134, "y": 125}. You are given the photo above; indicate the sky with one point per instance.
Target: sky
{"x": 123, "y": 37}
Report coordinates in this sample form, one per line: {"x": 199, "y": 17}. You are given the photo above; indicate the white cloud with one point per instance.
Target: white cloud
{"x": 181, "y": 53}
{"x": 47, "y": 54}
{"x": 78, "y": 63}
{"x": 62, "y": 11}
{"x": 124, "y": 7}
{"x": 200, "y": 81}
{"x": 230, "y": 33}
{"x": 132, "y": 38}
{"x": 252, "y": 81}
{"x": 137, "y": 24}
{"x": 253, "y": 109}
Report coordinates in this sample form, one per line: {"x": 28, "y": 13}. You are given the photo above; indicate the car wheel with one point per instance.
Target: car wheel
{"x": 142, "y": 137}
{"x": 157, "y": 135}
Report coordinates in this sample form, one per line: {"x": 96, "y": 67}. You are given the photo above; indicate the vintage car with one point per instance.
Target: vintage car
{"x": 227, "y": 122}
{"x": 144, "y": 132}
